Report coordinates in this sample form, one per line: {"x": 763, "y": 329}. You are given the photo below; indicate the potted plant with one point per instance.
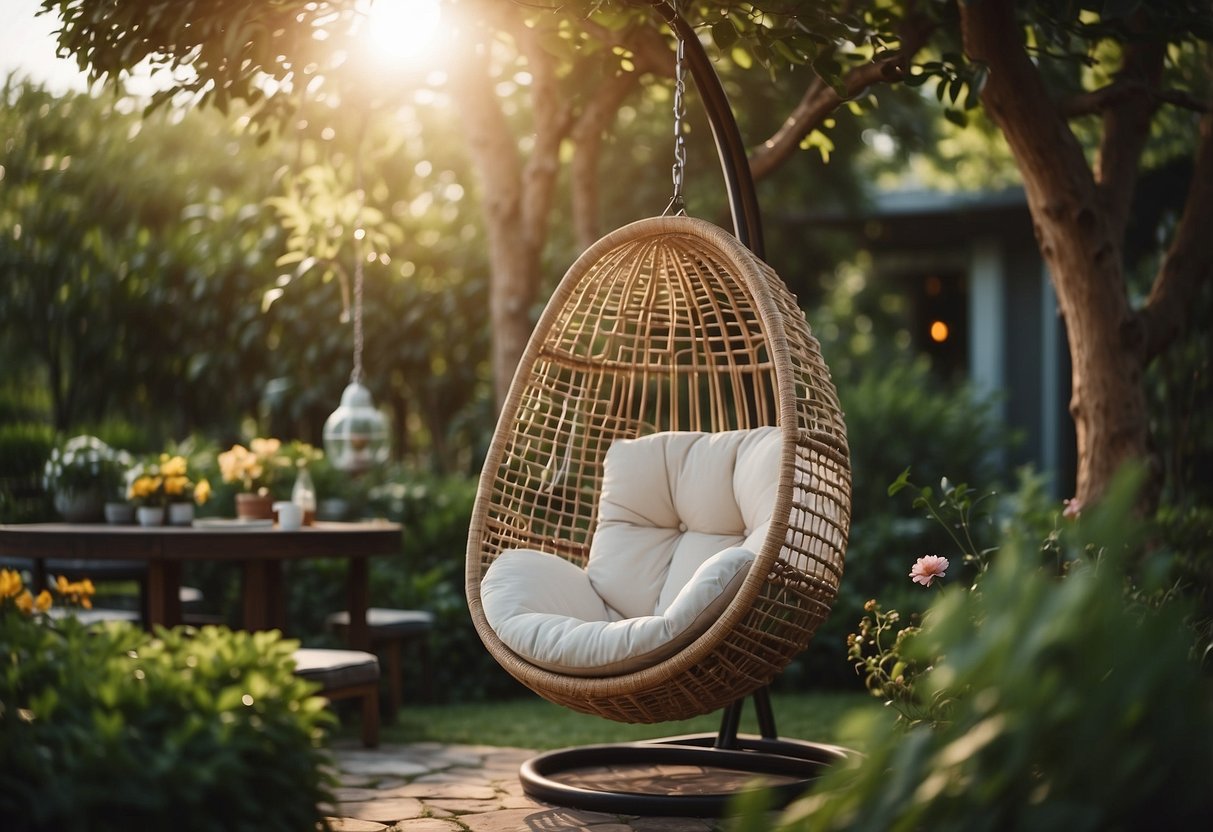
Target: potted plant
{"x": 146, "y": 493}
{"x": 181, "y": 490}
{"x": 256, "y": 468}
{"x": 80, "y": 473}
{"x": 161, "y": 489}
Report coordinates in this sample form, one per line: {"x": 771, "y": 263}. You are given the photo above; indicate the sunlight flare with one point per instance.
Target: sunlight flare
{"x": 401, "y": 31}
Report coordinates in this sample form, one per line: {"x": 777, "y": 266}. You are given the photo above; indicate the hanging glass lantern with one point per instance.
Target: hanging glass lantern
{"x": 356, "y": 434}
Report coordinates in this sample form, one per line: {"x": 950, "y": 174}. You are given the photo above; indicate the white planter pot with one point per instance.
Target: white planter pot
{"x": 119, "y": 514}
{"x": 180, "y": 514}
{"x": 150, "y": 515}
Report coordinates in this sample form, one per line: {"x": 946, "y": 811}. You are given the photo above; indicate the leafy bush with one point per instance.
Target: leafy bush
{"x": 897, "y": 416}
{"x": 112, "y": 728}
{"x": 1073, "y": 706}
{"x": 24, "y": 448}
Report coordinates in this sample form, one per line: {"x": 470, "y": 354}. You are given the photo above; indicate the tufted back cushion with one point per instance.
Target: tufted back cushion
{"x": 672, "y": 500}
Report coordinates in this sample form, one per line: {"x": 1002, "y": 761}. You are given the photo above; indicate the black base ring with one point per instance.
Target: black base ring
{"x": 803, "y": 761}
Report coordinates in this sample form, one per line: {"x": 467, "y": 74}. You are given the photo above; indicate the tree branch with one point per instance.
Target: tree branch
{"x": 819, "y": 100}
{"x": 1094, "y": 102}
{"x": 1126, "y": 126}
{"x": 651, "y": 54}
{"x": 587, "y": 140}
{"x": 1189, "y": 261}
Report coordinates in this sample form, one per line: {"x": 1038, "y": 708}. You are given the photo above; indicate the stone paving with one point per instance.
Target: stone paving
{"x": 427, "y": 787}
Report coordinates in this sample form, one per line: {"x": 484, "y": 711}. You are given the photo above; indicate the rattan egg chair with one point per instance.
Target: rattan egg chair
{"x": 672, "y": 324}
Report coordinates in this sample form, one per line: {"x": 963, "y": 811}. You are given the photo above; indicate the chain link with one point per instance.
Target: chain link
{"x": 678, "y": 203}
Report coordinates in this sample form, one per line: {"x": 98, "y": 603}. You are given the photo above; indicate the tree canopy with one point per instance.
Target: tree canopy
{"x": 1084, "y": 94}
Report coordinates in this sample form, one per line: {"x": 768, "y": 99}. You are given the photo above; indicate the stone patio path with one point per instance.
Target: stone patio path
{"x": 426, "y": 787}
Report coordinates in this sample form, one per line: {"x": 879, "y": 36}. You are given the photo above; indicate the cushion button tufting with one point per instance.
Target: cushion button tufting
{"x": 682, "y": 527}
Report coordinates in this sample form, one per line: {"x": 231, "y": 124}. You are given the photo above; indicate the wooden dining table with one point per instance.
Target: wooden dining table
{"x": 259, "y": 549}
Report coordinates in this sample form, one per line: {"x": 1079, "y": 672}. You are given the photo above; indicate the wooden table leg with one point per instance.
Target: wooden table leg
{"x": 358, "y": 585}
{"x": 163, "y": 592}
{"x": 264, "y": 597}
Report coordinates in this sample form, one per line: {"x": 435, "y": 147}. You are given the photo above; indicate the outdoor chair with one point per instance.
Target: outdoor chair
{"x": 392, "y": 630}
{"x": 345, "y": 674}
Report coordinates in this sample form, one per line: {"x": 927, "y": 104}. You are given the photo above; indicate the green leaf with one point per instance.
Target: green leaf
{"x": 902, "y": 481}
{"x": 957, "y": 117}
{"x": 724, "y": 35}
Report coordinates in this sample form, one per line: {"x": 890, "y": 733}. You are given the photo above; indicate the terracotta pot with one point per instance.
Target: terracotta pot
{"x": 254, "y": 506}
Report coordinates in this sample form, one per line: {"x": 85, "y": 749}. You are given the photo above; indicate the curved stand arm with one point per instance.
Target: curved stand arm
{"x": 739, "y": 182}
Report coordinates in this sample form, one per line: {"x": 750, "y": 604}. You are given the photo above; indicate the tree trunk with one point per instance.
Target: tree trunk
{"x": 513, "y": 256}
{"x": 1080, "y": 242}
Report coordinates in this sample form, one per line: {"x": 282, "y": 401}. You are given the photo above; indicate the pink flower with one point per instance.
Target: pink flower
{"x": 1073, "y": 508}
{"x": 927, "y": 568}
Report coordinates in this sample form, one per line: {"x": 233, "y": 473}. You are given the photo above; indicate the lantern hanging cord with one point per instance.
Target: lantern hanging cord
{"x": 359, "y": 233}
{"x": 356, "y": 373}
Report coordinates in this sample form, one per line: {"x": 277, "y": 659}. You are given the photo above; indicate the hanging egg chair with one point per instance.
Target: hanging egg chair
{"x": 663, "y": 512}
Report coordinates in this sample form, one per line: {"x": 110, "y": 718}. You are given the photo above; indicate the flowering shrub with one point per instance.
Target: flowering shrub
{"x": 14, "y": 594}
{"x": 109, "y": 727}
{"x": 1072, "y": 706}
{"x": 256, "y": 467}
{"x": 82, "y": 463}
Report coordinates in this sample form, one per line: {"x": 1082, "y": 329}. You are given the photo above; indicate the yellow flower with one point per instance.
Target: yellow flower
{"x": 43, "y": 602}
{"x": 10, "y": 583}
{"x": 174, "y": 484}
{"x": 25, "y": 602}
{"x": 202, "y": 492}
{"x": 173, "y": 467}
{"x": 265, "y": 447}
{"x": 253, "y": 468}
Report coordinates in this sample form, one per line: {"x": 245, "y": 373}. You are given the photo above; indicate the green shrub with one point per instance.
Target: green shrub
{"x": 24, "y": 448}
{"x": 112, "y": 728}
{"x": 897, "y": 416}
{"x": 1074, "y": 706}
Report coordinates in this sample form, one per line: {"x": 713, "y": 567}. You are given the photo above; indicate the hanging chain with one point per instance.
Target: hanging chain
{"x": 678, "y": 203}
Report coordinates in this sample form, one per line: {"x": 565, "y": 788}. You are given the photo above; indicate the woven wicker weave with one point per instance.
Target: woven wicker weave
{"x": 670, "y": 324}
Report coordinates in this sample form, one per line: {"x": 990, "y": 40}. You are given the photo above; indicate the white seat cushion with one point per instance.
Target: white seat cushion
{"x": 681, "y": 515}
{"x": 545, "y": 609}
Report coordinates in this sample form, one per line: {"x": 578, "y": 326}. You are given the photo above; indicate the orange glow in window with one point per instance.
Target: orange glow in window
{"x": 939, "y": 332}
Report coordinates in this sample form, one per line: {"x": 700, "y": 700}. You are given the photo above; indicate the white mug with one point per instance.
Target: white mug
{"x": 290, "y": 515}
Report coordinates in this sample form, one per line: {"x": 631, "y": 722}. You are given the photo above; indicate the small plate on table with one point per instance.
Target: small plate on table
{"x": 231, "y": 523}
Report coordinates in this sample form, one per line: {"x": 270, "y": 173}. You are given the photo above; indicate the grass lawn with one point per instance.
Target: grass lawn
{"x": 538, "y": 724}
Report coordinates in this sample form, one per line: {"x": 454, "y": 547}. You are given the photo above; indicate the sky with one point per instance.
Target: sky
{"x": 27, "y": 47}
